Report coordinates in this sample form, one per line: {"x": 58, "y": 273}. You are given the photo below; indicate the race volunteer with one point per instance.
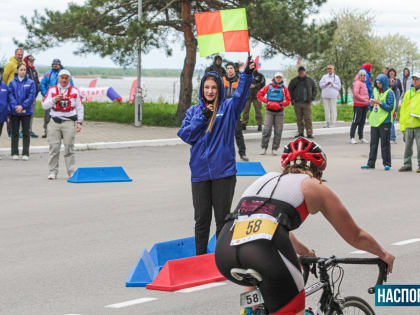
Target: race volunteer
{"x": 67, "y": 114}
{"x": 209, "y": 128}
{"x": 285, "y": 200}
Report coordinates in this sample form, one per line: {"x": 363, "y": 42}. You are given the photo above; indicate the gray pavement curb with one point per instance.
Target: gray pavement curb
{"x": 287, "y": 134}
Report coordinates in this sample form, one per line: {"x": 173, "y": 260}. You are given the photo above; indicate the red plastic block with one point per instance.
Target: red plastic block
{"x": 186, "y": 272}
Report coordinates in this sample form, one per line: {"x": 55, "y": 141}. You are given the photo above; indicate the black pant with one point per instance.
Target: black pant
{"x": 382, "y": 132}
{"x": 217, "y": 194}
{"x": 1, "y": 127}
{"x": 239, "y": 136}
{"x": 25, "y": 121}
{"x": 359, "y": 119}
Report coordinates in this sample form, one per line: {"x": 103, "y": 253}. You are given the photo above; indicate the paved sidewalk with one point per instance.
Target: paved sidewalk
{"x": 101, "y": 135}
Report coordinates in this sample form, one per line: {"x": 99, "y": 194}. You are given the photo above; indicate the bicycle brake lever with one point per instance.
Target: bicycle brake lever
{"x": 313, "y": 270}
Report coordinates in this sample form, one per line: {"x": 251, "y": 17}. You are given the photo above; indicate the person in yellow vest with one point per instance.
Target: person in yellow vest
{"x": 382, "y": 108}
{"x": 410, "y": 123}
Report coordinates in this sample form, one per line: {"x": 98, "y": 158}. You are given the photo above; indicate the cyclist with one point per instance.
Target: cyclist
{"x": 287, "y": 198}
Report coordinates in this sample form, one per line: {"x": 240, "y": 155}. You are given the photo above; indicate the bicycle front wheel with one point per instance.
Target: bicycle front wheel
{"x": 355, "y": 306}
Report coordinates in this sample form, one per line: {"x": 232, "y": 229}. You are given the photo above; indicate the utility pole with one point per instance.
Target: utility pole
{"x": 138, "y": 112}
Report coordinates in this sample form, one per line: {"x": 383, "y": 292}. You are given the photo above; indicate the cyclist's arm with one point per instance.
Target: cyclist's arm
{"x": 319, "y": 197}
{"x": 299, "y": 247}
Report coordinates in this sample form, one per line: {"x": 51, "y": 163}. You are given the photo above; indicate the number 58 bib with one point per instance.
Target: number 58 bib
{"x": 254, "y": 227}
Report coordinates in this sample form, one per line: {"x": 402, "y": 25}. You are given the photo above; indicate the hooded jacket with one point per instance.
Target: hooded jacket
{"x": 213, "y": 153}
{"x": 22, "y": 93}
{"x": 368, "y": 67}
{"x": 360, "y": 93}
{"x": 32, "y": 74}
{"x": 49, "y": 79}
{"x": 4, "y": 102}
{"x": 10, "y": 70}
{"x": 388, "y": 105}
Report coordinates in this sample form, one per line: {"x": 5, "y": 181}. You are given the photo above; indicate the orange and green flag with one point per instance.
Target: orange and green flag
{"x": 222, "y": 31}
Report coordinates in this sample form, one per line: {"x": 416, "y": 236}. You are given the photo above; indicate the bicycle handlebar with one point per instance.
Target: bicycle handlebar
{"x": 382, "y": 276}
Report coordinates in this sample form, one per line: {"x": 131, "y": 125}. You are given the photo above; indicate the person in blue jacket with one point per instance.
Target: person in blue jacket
{"x": 4, "y": 105}
{"x": 209, "y": 128}
{"x": 49, "y": 79}
{"x": 21, "y": 99}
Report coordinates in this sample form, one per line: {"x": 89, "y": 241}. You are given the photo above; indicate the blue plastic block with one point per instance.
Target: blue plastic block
{"x": 249, "y": 169}
{"x": 99, "y": 175}
{"x": 144, "y": 273}
{"x": 211, "y": 247}
{"x": 176, "y": 249}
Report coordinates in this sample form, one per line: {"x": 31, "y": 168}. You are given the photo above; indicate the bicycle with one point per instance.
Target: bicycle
{"x": 330, "y": 303}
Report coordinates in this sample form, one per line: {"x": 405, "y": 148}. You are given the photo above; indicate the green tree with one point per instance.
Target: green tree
{"x": 110, "y": 28}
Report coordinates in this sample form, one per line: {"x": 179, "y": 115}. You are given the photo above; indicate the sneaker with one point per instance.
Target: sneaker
{"x": 44, "y": 135}
{"x": 20, "y": 135}
{"x": 259, "y": 128}
{"x": 274, "y": 152}
{"x": 33, "y": 135}
{"x": 393, "y": 141}
{"x": 387, "y": 167}
{"x": 310, "y": 136}
{"x": 363, "y": 140}
{"x": 353, "y": 141}
{"x": 299, "y": 135}
{"x": 25, "y": 158}
{"x": 417, "y": 171}
{"x": 243, "y": 158}
{"x": 52, "y": 176}
{"x": 15, "y": 157}
{"x": 263, "y": 152}
{"x": 367, "y": 167}
{"x": 326, "y": 126}
{"x": 406, "y": 169}
{"x": 243, "y": 127}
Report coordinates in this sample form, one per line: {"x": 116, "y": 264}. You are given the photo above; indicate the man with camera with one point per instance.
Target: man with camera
{"x": 67, "y": 114}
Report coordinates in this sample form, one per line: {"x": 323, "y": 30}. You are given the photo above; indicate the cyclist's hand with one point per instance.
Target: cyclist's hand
{"x": 311, "y": 253}
{"x": 389, "y": 259}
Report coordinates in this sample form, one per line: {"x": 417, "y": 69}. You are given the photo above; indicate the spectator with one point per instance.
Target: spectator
{"x": 49, "y": 79}
{"x": 67, "y": 114}
{"x": 217, "y": 66}
{"x": 11, "y": 67}
{"x": 393, "y": 74}
{"x": 406, "y": 82}
{"x": 380, "y": 119}
{"x": 22, "y": 95}
{"x": 230, "y": 82}
{"x": 4, "y": 103}
{"x": 368, "y": 67}
{"x": 330, "y": 85}
{"x": 303, "y": 91}
{"x": 257, "y": 84}
{"x": 360, "y": 107}
{"x": 208, "y": 127}
{"x": 394, "y": 86}
{"x": 410, "y": 123}
{"x": 385, "y": 71}
{"x": 33, "y": 75}
{"x": 277, "y": 99}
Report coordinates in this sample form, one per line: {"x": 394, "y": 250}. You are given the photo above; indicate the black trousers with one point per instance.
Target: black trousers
{"x": 1, "y": 127}
{"x": 239, "y": 136}
{"x": 216, "y": 194}
{"x": 382, "y": 132}
{"x": 359, "y": 119}
{"x": 17, "y": 121}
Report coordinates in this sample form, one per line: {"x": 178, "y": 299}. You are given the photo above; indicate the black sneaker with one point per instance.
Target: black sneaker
{"x": 418, "y": 170}
{"x": 259, "y": 128}
{"x": 310, "y": 137}
{"x": 244, "y": 158}
{"x": 44, "y": 135}
{"x": 33, "y": 135}
{"x": 405, "y": 169}
{"x": 243, "y": 127}
{"x": 299, "y": 135}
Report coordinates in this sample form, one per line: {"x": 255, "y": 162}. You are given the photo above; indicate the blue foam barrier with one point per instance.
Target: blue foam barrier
{"x": 176, "y": 249}
{"x": 211, "y": 247}
{"x": 144, "y": 272}
{"x": 99, "y": 175}
{"x": 249, "y": 169}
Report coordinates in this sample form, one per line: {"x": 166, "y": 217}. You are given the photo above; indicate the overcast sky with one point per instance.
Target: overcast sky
{"x": 391, "y": 17}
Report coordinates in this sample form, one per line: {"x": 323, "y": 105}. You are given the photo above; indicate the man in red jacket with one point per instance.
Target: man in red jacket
{"x": 277, "y": 97}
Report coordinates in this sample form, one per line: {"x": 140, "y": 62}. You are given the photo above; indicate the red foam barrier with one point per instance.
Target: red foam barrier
{"x": 186, "y": 272}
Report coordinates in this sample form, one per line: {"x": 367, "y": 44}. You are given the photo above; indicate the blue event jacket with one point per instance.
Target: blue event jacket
{"x": 4, "y": 102}
{"x": 213, "y": 153}
{"x": 22, "y": 93}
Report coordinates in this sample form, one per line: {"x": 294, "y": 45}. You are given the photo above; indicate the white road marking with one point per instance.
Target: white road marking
{"x": 406, "y": 242}
{"x": 359, "y": 252}
{"x": 202, "y": 287}
{"x": 131, "y": 302}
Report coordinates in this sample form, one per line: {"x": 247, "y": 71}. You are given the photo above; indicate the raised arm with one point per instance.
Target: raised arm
{"x": 193, "y": 126}
{"x": 241, "y": 93}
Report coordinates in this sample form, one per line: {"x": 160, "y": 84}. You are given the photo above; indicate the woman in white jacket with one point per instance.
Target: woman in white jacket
{"x": 330, "y": 85}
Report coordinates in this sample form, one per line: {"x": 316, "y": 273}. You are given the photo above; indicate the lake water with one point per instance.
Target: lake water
{"x": 155, "y": 89}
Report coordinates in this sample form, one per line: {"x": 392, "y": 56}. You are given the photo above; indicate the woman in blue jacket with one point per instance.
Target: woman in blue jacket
{"x": 4, "y": 104}
{"x": 22, "y": 95}
{"x": 209, "y": 128}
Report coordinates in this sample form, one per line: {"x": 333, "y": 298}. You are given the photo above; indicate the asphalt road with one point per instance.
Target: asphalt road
{"x": 67, "y": 248}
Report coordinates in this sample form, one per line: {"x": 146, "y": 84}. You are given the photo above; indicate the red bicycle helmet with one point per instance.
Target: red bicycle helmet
{"x": 302, "y": 151}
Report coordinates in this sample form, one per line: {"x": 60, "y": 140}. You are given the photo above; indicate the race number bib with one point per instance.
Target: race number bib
{"x": 254, "y": 227}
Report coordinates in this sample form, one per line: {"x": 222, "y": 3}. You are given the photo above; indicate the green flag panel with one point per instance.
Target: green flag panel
{"x": 210, "y": 44}
{"x": 234, "y": 20}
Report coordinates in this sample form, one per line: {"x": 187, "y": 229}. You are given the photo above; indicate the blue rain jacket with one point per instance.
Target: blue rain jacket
{"x": 22, "y": 93}
{"x": 49, "y": 79}
{"x": 4, "y": 102}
